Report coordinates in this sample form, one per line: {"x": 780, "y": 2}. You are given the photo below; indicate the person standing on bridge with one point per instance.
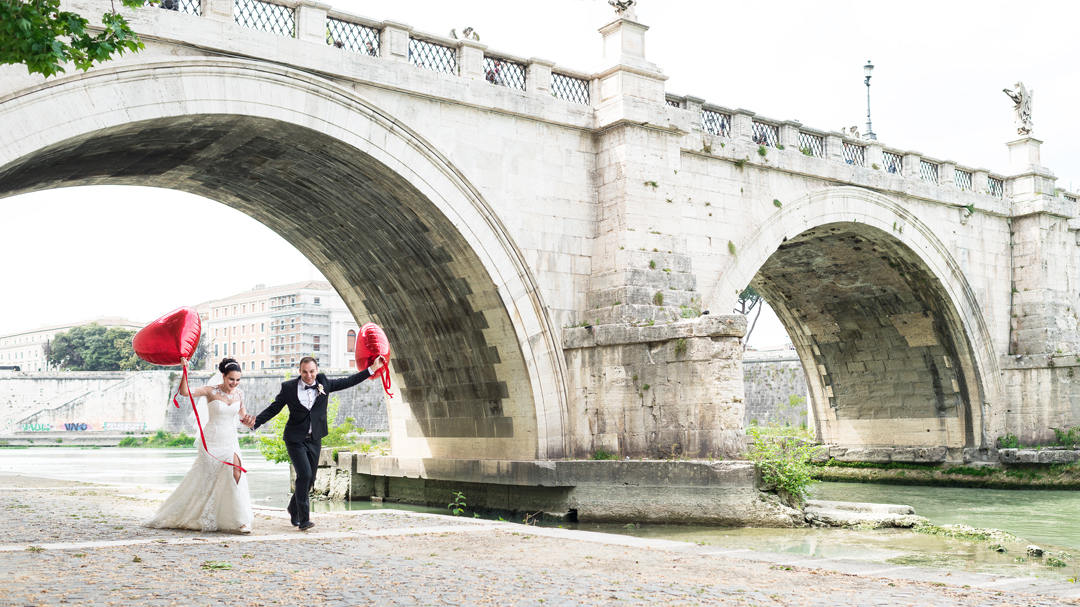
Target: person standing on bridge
{"x": 307, "y": 398}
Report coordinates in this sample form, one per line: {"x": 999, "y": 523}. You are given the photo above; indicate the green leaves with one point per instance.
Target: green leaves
{"x": 37, "y": 34}
{"x": 783, "y": 455}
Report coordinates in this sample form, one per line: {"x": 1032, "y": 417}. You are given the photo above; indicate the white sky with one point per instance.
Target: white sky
{"x": 940, "y": 67}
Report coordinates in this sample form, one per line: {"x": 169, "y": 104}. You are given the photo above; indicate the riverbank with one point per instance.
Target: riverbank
{"x": 1024, "y": 476}
{"x": 55, "y": 528}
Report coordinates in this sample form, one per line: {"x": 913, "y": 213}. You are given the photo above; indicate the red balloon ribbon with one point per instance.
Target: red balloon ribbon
{"x": 175, "y": 400}
{"x": 384, "y": 371}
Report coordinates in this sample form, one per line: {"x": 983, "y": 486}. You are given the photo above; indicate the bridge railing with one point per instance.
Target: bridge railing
{"x": 188, "y": 7}
{"x": 503, "y": 71}
{"x": 353, "y": 36}
{"x": 266, "y": 16}
{"x": 847, "y": 148}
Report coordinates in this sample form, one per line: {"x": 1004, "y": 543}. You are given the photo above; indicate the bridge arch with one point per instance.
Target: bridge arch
{"x": 401, "y": 233}
{"x": 892, "y": 339}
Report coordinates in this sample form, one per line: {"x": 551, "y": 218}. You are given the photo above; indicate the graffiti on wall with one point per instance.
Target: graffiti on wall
{"x": 125, "y": 426}
{"x": 35, "y": 427}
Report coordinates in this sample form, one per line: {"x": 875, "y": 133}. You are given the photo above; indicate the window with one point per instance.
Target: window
{"x": 350, "y": 341}
{"x": 316, "y": 338}
{"x": 315, "y": 347}
{"x": 352, "y": 363}
{"x": 262, "y": 326}
{"x": 317, "y": 301}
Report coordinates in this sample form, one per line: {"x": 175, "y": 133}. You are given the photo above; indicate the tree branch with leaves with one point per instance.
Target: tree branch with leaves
{"x": 749, "y": 299}
{"x": 37, "y": 34}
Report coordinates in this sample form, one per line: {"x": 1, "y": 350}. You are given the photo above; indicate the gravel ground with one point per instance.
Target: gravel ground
{"x": 65, "y": 543}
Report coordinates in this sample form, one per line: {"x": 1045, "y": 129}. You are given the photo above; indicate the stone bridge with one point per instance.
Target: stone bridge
{"x": 555, "y": 254}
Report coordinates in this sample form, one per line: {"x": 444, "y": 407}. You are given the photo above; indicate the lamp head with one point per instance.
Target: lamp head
{"x": 867, "y": 69}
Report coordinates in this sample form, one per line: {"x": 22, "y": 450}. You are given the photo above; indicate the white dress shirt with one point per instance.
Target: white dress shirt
{"x": 306, "y": 397}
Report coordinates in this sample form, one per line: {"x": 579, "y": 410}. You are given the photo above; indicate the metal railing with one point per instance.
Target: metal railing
{"x": 893, "y": 163}
{"x": 265, "y": 16}
{"x": 811, "y": 144}
{"x": 189, "y": 7}
{"x": 996, "y": 186}
{"x": 855, "y": 154}
{"x": 928, "y": 171}
{"x": 716, "y": 123}
{"x": 432, "y": 56}
{"x": 568, "y": 88}
{"x": 962, "y": 179}
{"x": 765, "y": 134}
{"x": 352, "y": 37}
{"x": 503, "y": 72}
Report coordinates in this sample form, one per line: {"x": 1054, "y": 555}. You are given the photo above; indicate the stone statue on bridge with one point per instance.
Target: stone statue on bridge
{"x": 1022, "y": 98}
{"x": 624, "y": 8}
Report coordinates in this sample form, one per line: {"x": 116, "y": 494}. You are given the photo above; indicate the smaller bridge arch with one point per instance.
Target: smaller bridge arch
{"x": 892, "y": 339}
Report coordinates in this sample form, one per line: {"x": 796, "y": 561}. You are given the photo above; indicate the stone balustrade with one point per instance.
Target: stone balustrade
{"x": 470, "y": 59}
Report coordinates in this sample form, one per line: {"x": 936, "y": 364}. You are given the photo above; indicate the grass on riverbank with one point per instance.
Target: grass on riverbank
{"x": 1056, "y": 476}
{"x": 162, "y": 439}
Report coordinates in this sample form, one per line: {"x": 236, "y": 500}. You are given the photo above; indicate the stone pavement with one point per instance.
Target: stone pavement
{"x": 64, "y": 543}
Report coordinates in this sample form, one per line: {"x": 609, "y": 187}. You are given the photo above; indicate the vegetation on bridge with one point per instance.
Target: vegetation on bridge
{"x": 37, "y": 34}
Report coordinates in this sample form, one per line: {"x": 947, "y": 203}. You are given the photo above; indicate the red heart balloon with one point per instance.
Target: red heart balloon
{"x": 167, "y": 339}
{"x": 370, "y": 344}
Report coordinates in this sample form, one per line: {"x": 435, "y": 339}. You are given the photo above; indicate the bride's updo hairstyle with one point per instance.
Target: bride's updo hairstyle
{"x": 228, "y": 364}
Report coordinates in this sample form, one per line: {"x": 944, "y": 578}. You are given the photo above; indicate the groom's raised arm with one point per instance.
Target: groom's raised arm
{"x": 268, "y": 413}
{"x": 333, "y": 385}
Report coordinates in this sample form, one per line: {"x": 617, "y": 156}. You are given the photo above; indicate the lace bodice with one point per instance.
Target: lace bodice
{"x": 230, "y": 398}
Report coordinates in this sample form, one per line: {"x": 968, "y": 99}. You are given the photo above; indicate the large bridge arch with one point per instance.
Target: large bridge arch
{"x": 893, "y": 341}
{"x": 402, "y": 233}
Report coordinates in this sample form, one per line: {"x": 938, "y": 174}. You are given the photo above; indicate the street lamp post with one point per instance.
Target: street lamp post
{"x": 867, "y": 70}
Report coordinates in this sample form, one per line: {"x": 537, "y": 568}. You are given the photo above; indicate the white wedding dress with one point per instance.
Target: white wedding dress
{"x": 208, "y": 499}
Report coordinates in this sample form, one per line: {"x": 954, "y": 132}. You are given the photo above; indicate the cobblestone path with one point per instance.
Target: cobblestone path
{"x": 64, "y": 543}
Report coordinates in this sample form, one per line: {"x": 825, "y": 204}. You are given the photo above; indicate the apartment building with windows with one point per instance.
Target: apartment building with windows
{"x": 271, "y": 328}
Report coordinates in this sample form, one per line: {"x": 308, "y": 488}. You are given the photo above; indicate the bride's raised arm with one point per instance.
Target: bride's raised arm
{"x": 199, "y": 392}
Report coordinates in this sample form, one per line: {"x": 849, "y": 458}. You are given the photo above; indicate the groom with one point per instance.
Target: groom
{"x": 306, "y": 397}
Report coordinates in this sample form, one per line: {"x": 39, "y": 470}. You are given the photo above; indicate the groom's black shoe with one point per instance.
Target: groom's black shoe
{"x": 292, "y": 515}
{"x": 304, "y": 526}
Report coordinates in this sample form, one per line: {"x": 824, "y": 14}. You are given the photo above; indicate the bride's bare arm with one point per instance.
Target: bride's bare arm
{"x": 197, "y": 392}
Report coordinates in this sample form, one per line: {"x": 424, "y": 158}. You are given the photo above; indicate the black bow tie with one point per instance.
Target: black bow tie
{"x": 307, "y": 387}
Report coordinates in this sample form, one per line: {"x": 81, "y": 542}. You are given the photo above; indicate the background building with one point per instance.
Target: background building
{"x": 26, "y": 349}
{"x": 274, "y": 327}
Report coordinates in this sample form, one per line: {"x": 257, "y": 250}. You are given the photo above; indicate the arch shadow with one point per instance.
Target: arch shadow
{"x": 399, "y": 232}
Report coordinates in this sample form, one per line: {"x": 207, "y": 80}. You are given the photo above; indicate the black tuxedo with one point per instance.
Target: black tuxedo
{"x": 304, "y": 446}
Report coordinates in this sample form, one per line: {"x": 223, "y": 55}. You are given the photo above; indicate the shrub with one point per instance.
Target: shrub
{"x": 272, "y": 446}
{"x": 1008, "y": 441}
{"x": 782, "y": 456}
{"x": 602, "y": 454}
{"x": 680, "y": 346}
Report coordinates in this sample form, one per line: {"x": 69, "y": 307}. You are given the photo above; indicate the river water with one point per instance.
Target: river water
{"x": 1049, "y": 518}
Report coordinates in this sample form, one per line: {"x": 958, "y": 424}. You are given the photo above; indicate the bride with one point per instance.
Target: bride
{"x": 213, "y": 495}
